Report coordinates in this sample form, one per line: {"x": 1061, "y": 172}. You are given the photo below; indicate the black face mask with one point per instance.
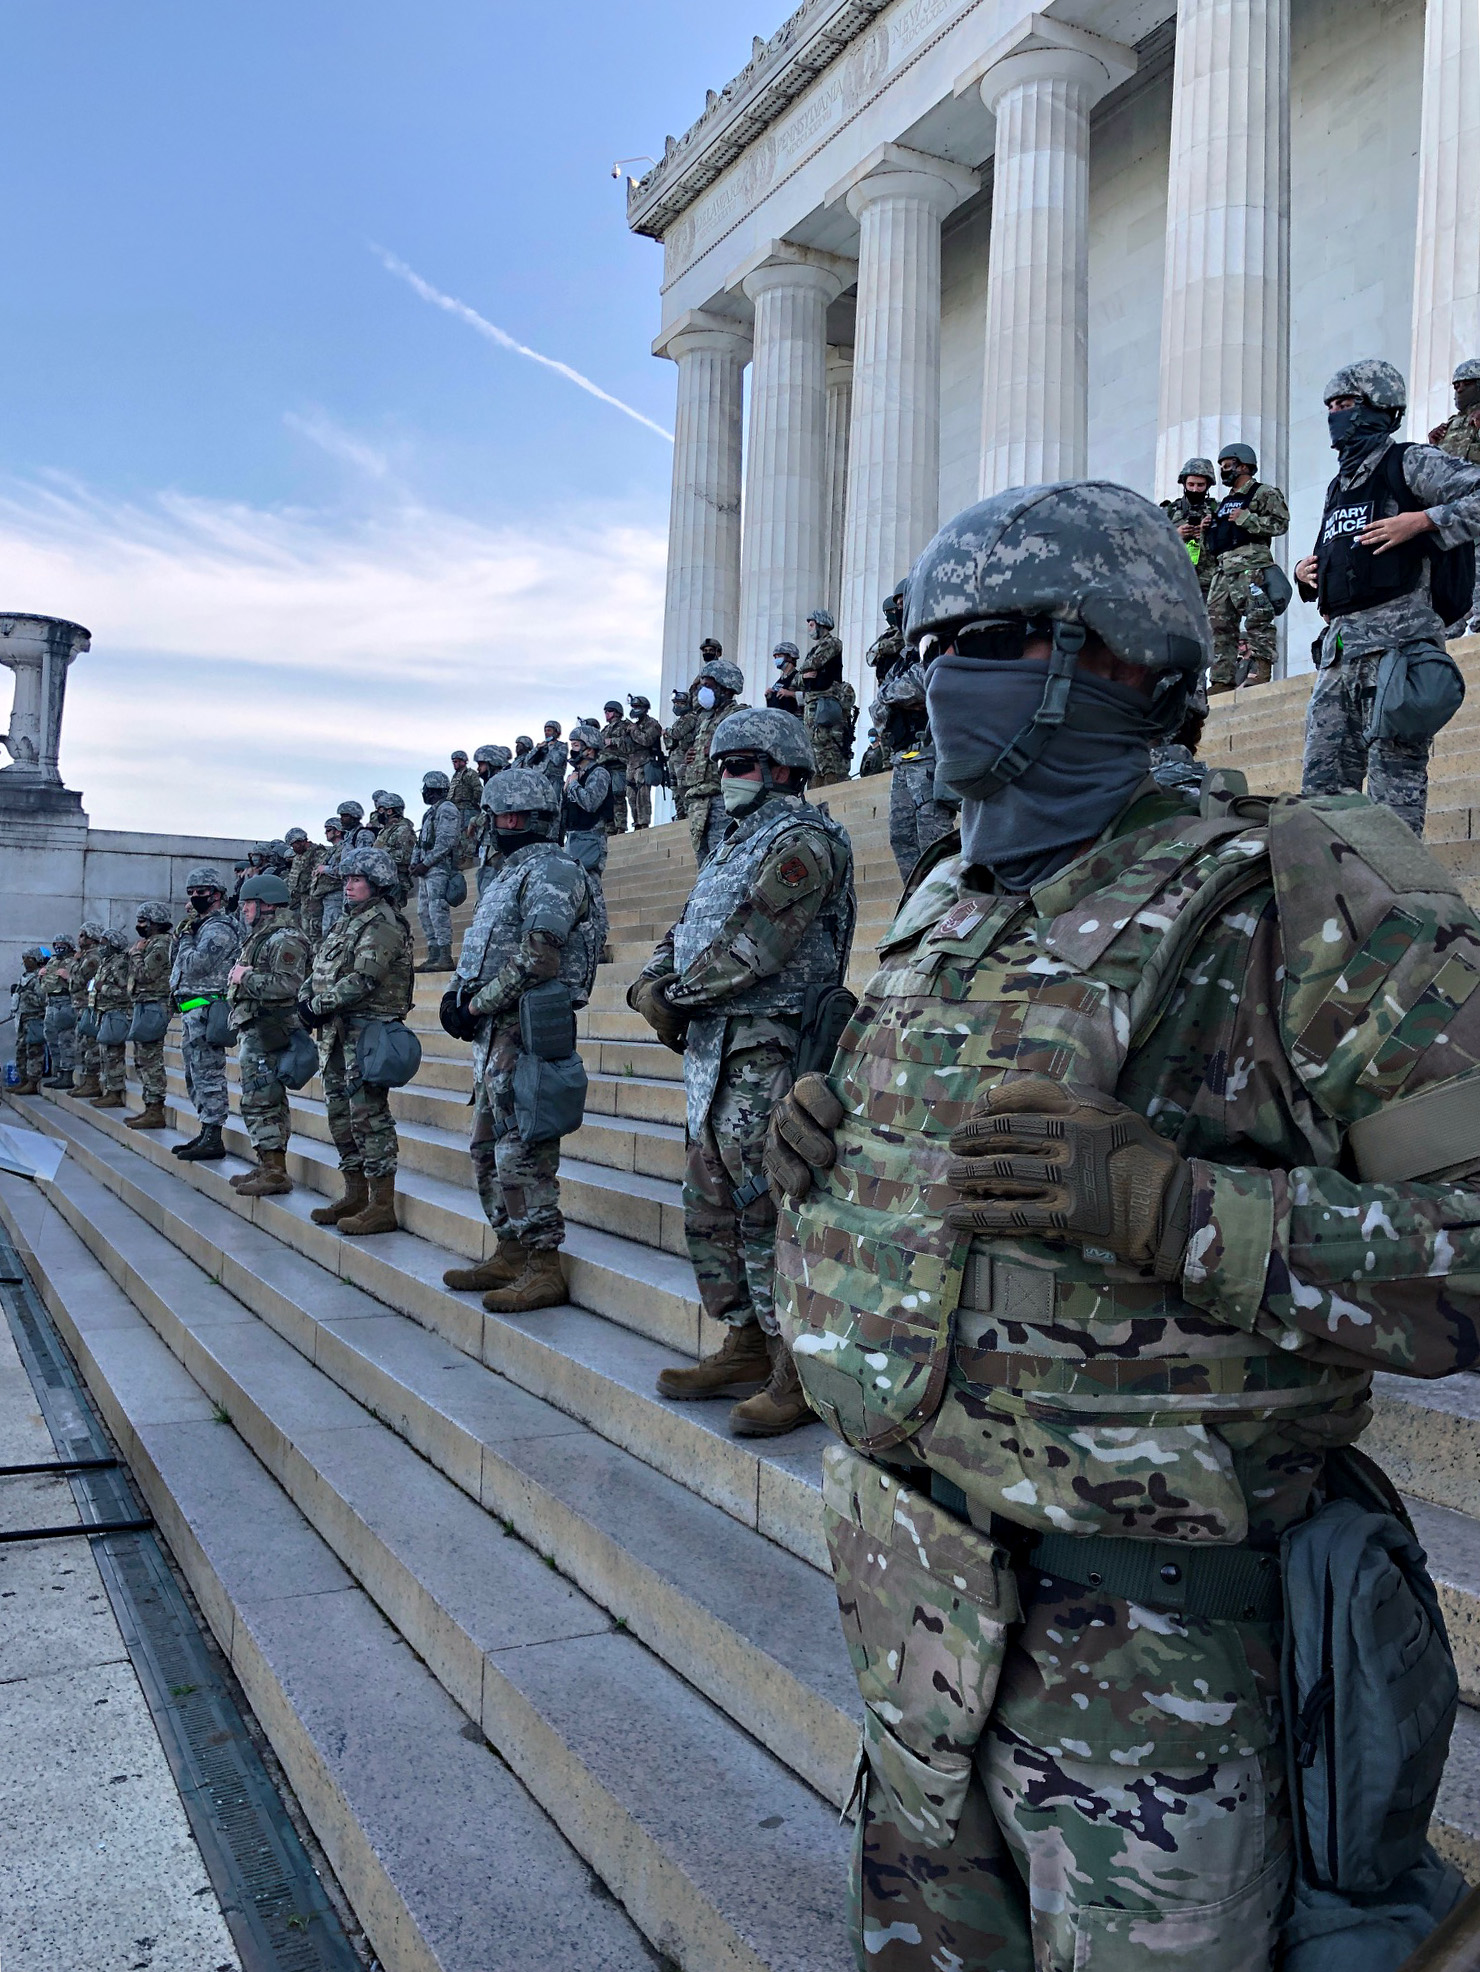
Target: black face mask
{"x": 203, "y": 906}
{"x": 1355, "y": 431}
{"x": 1467, "y": 395}
{"x": 1231, "y": 474}
{"x": 511, "y": 839}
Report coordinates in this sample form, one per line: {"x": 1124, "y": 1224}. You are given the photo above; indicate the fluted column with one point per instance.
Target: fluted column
{"x": 1446, "y": 275}
{"x": 1225, "y": 323}
{"x": 783, "y": 553}
{"x": 703, "y": 597}
{"x": 1035, "y": 402}
{"x": 839, "y": 417}
{"x": 894, "y": 440}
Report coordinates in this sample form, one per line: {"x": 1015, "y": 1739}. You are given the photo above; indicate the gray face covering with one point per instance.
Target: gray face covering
{"x": 1084, "y": 776}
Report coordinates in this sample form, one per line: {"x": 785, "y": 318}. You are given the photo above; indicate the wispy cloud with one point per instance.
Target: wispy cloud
{"x": 504, "y": 340}
{"x": 250, "y": 666}
{"x": 321, "y": 430}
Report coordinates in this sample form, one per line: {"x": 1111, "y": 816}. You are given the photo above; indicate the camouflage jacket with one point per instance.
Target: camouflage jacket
{"x": 1449, "y": 489}
{"x": 617, "y": 743}
{"x": 1461, "y": 438}
{"x": 362, "y": 970}
{"x": 1263, "y": 520}
{"x": 203, "y": 953}
{"x": 903, "y": 692}
{"x": 884, "y": 653}
{"x": 701, "y": 776}
{"x": 278, "y": 958}
{"x": 149, "y": 968}
{"x": 532, "y": 924}
{"x": 586, "y": 791}
{"x": 80, "y": 976}
{"x": 1183, "y": 512}
{"x": 439, "y": 837}
{"x": 302, "y": 871}
{"x": 466, "y": 791}
{"x": 678, "y": 743}
{"x": 326, "y": 878}
{"x": 1268, "y": 985}
{"x": 398, "y": 840}
{"x": 646, "y": 737}
{"x": 54, "y": 981}
{"x": 30, "y": 999}
{"x": 550, "y": 756}
{"x": 109, "y": 990}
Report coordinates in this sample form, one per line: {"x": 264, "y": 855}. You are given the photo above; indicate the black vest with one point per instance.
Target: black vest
{"x": 1222, "y": 534}
{"x": 574, "y": 818}
{"x": 1352, "y": 577}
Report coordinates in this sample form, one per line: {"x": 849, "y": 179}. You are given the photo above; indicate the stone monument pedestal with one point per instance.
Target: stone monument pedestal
{"x": 43, "y": 829}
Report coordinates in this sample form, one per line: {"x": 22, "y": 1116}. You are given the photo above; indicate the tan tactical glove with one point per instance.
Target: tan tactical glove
{"x": 1038, "y": 1157}
{"x": 799, "y": 1139}
{"x": 646, "y": 996}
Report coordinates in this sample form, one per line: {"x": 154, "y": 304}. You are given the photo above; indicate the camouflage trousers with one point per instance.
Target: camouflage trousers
{"x": 149, "y": 1067}
{"x": 205, "y": 1068}
{"x": 360, "y": 1120}
{"x": 433, "y": 909}
{"x": 707, "y": 820}
{"x": 916, "y": 818}
{"x": 264, "y": 1099}
{"x": 1239, "y": 610}
{"x": 111, "y": 1067}
{"x": 1338, "y": 755}
{"x": 30, "y": 1050}
{"x": 588, "y": 847}
{"x": 620, "y": 785}
{"x": 89, "y": 1061}
{"x": 1067, "y": 1864}
{"x": 61, "y": 1040}
{"x": 639, "y": 799}
{"x": 734, "y": 1253}
{"x": 834, "y": 756}
{"x": 331, "y": 910}
{"x": 517, "y": 1182}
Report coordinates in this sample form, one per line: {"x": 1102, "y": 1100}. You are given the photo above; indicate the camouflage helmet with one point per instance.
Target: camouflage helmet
{"x": 92, "y": 929}
{"x": 336, "y": 823}
{"x": 64, "y": 946}
{"x": 724, "y": 675}
{"x": 206, "y": 877}
{"x": 115, "y": 940}
{"x": 1199, "y": 469}
{"x": 1468, "y": 371}
{"x": 585, "y": 733}
{"x": 435, "y": 782}
{"x": 493, "y": 756}
{"x": 1374, "y": 380}
{"x": 639, "y": 703}
{"x": 780, "y": 736}
{"x": 823, "y": 618}
{"x": 521, "y": 791}
{"x": 546, "y": 727}
{"x": 711, "y": 647}
{"x": 260, "y": 850}
{"x": 290, "y": 836}
{"x": 457, "y": 754}
{"x": 681, "y": 699}
{"x": 1082, "y": 551}
{"x": 154, "y": 912}
{"x": 385, "y": 798}
{"x": 353, "y": 809}
{"x": 265, "y": 889}
{"x": 787, "y": 650}
{"x": 33, "y": 955}
{"x": 613, "y": 705}
{"x": 372, "y": 864}
{"x": 1244, "y": 455}
{"x": 523, "y": 743}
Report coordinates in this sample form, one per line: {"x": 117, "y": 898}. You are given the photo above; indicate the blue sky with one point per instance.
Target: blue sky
{"x": 321, "y": 529}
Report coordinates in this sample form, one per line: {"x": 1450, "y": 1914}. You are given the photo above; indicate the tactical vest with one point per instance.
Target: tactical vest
{"x": 821, "y": 959}
{"x": 574, "y": 818}
{"x": 1223, "y": 534}
{"x": 506, "y": 910}
{"x": 908, "y": 1334}
{"x": 1352, "y": 577}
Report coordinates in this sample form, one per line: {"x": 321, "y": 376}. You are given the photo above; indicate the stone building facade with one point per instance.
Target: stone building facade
{"x": 965, "y": 244}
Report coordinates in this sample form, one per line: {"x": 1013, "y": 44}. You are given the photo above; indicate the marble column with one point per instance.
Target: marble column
{"x": 1035, "y": 401}
{"x": 704, "y": 518}
{"x": 1446, "y": 275}
{"x": 39, "y": 650}
{"x": 1225, "y": 323}
{"x": 894, "y": 440}
{"x": 783, "y": 553}
{"x": 839, "y": 416}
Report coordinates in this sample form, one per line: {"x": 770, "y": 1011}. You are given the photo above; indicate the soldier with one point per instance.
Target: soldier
{"x": 917, "y": 817}
{"x": 875, "y": 760}
{"x": 1379, "y": 579}
{"x": 432, "y": 865}
{"x": 1235, "y": 542}
{"x": 361, "y": 972}
{"x": 307, "y": 855}
{"x": 149, "y": 988}
{"x": 534, "y": 924}
{"x": 678, "y": 743}
{"x": 1188, "y": 512}
{"x": 1459, "y": 436}
{"x": 524, "y": 749}
{"x": 717, "y": 692}
{"x": 550, "y": 756}
{"x": 644, "y": 759}
{"x": 59, "y": 1023}
{"x": 323, "y": 886}
{"x": 465, "y": 790}
{"x": 829, "y": 702}
{"x": 353, "y": 834}
{"x": 616, "y": 745}
{"x": 768, "y": 928}
{"x": 786, "y": 694}
{"x": 585, "y": 810}
{"x": 204, "y": 951}
{"x": 79, "y": 977}
{"x": 489, "y": 760}
{"x": 1092, "y": 1421}
{"x": 262, "y": 991}
{"x": 397, "y": 837}
{"x": 30, "y": 1022}
{"x": 108, "y": 993}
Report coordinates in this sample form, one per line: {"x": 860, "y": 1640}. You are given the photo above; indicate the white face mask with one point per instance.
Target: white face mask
{"x": 705, "y": 696}
{"x": 739, "y": 796}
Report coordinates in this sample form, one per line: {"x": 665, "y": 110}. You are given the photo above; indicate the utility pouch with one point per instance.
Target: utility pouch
{"x": 218, "y": 1032}
{"x": 296, "y": 1064}
{"x": 926, "y": 1602}
{"x": 619, "y": 779}
{"x": 150, "y": 1022}
{"x": 586, "y": 847}
{"x": 1419, "y": 690}
{"x": 87, "y": 1025}
{"x": 828, "y": 714}
{"x": 1276, "y": 585}
{"x": 826, "y": 1011}
{"x": 549, "y": 1096}
{"x": 387, "y": 1054}
{"x": 61, "y": 1018}
{"x": 652, "y": 773}
{"x": 113, "y": 1027}
{"x": 547, "y": 1021}
{"x": 456, "y": 891}
{"x": 33, "y": 1030}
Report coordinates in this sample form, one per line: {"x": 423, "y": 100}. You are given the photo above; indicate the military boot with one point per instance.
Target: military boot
{"x": 179, "y": 1149}
{"x": 64, "y": 1084}
{"x": 87, "y": 1087}
{"x": 110, "y": 1099}
{"x": 541, "y": 1285}
{"x": 438, "y": 959}
{"x": 780, "y": 1406}
{"x": 356, "y": 1198}
{"x": 502, "y": 1266}
{"x": 150, "y": 1117}
{"x": 30, "y": 1087}
{"x": 739, "y": 1365}
{"x": 269, "y": 1180}
{"x": 379, "y": 1215}
{"x": 52, "y": 1081}
{"x": 206, "y": 1148}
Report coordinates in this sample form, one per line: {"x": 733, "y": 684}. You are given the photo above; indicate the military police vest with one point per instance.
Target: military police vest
{"x": 1223, "y": 533}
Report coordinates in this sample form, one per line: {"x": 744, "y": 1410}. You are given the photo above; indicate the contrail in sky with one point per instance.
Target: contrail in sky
{"x": 504, "y": 340}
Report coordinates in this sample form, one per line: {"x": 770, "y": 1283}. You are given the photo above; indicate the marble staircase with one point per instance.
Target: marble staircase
{"x": 553, "y": 1664}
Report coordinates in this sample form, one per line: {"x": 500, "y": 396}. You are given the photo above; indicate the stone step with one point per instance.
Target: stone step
{"x": 721, "y": 1855}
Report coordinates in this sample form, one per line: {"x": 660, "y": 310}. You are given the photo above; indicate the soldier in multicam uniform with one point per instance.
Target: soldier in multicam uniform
{"x": 324, "y": 886}
{"x": 1459, "y": 436}
{"x": 108, "y": 993}
{"x": 534, "y": 924}
{"x": 585, "y": 810}
{"x": 1235, "y": 542}
{"x": 551, "y": 756}
{"x": 717, "y": 692}
{"x": 328, "y": 885}
{"x": 1389, "y": 506}
{"x": 769, "y": 926}
{"x": 465, "y": 789}
{"x": 149, "y": 987}
{"x": 1188, "y": 513}
{"x": 614, "y": 748}
{"x": 79, "y": 978}
{"x": 307, "y": 856}
{"x": 917, "y": 817}
{"x": 1092, "y": 1365}
{"x": 829, "y": 702}
{"x": 30, "y": 1022}
{"x": 678, "y": 743}
{"x": 204, "y": 951}
{"x": 432, "y": 866}
{"x": 361, "y": 972}
{"x": 785, "y": 695}
{"x": 60, "y": 1023}
{"x": 644, "y": 760}
{"x": 490, "y": 760}
{"x": 397, "y": 837}
{"x": 262, "y": 991}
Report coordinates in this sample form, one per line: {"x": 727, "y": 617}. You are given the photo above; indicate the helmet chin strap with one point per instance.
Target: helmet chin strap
{"x": 1028, "y": 743}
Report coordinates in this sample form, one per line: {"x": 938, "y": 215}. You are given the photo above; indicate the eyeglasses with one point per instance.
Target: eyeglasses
{"x": 739, "y": 763}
